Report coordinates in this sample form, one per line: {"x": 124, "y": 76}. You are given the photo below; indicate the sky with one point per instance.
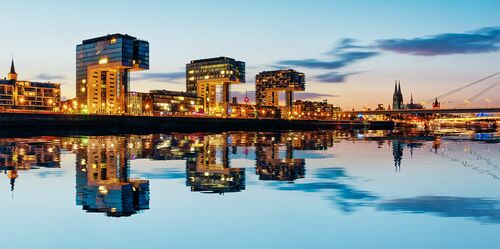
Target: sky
{"x": 351, "y": 51}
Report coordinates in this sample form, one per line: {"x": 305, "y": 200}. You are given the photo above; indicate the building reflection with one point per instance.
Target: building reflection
{"x": 20, "y": 154}
{"x": 103, "y": 182}
{"x": 271, "y": 165}
{"x": 210, "y": 171}
{"x": 102, "y": 164}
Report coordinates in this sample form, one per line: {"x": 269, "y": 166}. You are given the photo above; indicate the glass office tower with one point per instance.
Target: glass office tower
{"x": 204, "y": 77}
{"x": 103, "y": 67}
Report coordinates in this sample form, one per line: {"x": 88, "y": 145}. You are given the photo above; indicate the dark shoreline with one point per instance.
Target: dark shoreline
{"x": 30, "y": 124}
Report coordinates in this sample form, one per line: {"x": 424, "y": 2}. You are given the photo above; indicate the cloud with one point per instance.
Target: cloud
{"x": 312, "y": 95}
{"x": 481, "y": 209}
{"x": 483, "y": 40}
{"x": 346, "y": 43}
{"x": 343, "y": 59}
{"x": 345, "y": 53}
{"x": 334, "y": 77}
{"x": 171, "y": 77}
{"x": 348, "y": 51}
{"x": 45, "y": 76}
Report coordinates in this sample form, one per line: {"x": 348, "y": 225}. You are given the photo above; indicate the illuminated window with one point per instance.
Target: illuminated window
{"x": 103, "y": 61}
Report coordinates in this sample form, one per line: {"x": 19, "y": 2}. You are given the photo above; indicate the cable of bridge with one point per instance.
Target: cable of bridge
{"x": 478, "y": 95}
{"x": 464, "y": 87}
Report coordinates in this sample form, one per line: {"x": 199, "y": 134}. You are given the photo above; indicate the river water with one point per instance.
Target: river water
{"x": 342, "y": 189}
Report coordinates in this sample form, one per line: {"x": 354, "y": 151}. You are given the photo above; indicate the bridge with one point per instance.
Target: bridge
{"x": 422, "y": 111}
{"x": 459, "y": 109}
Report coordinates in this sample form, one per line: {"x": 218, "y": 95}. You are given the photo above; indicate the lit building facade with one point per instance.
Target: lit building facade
{"x": 136, "y": 103}
{"x": 313, "y": 109}
{"x": 163, "y": 103}
{"x": 268, "y": 85}
{"x": 27, "y": 95}
{"x": 210, "y": 79}
{"x": 103, "y": 67}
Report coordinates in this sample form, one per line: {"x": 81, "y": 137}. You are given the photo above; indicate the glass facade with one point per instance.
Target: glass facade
{"x": 269, "y": 83}
{"x": 164, "y": 102}
{"x": 220, "y": 68}
{"x": 102, "y": 71}
{"x": 210, "y": 79}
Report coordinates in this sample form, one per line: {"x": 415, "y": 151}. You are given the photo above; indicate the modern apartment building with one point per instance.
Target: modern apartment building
{"x": 27, "y": 95}
{"x": 268, "y": 85}
{"x": 211, "y": 80}
{"x": 103, "y": 67}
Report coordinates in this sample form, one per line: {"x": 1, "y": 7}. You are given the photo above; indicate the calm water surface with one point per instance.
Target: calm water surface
{"x": 342, "y": 189}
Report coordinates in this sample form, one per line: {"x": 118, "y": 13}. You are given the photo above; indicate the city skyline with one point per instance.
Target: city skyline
{"x": 352, "y": 63}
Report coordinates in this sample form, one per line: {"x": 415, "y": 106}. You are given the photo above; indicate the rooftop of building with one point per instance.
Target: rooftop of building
{"x": 109, "y": 37}
{"x": 214, "y": 59}
{"x": 32, "y": 83}
{"x": 280, "y": 71}
{"x": 172, "y": 93}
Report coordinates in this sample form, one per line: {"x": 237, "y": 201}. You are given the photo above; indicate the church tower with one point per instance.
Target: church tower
{"x": 397, "y": 97}
{"x": 12, "y": 74}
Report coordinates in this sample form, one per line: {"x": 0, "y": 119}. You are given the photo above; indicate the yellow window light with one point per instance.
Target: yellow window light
{"x": 103, "y": 61}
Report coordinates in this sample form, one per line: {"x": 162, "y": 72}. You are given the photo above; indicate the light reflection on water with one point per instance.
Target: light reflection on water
{"x": 361, "y": 185}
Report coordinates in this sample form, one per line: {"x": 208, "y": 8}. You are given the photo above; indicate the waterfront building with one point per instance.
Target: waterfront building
{"x": 239, "y": 110}
{"x": 164, "y": 103}
{"x": 397, "y": 97}
{"x": 312, "y": 109}
{"x": 103, "y": 67}
{"x": 268, "y": 85}
{"x": 136, "y": 104}
{"x": 28, "y": 95}
{"x": 211, "y": 79}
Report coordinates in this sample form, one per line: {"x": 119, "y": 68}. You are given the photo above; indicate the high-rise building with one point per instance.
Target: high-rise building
{"x": 103, "y": 67}
{"x": 268, "y": 85}
{"x": 27, "y": 95}
{"x": 211, "y": 79}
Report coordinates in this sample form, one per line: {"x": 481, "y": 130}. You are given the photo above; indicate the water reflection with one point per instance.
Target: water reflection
{"x": 484, "y": 210}
{"x": 104, "y": 185}
{"x": 28, "y": 153}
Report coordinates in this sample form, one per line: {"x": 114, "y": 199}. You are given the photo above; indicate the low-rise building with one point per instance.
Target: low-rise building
{"x": 164, "y": 103}
{"x": 313, "y": 109}
{"x": 26, "y": 95}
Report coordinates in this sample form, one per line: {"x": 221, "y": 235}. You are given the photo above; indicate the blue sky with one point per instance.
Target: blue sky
{"x": 350, "y": 51}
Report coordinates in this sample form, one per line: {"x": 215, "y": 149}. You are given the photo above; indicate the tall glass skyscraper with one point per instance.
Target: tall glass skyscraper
{"x": 103, "y": 67}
